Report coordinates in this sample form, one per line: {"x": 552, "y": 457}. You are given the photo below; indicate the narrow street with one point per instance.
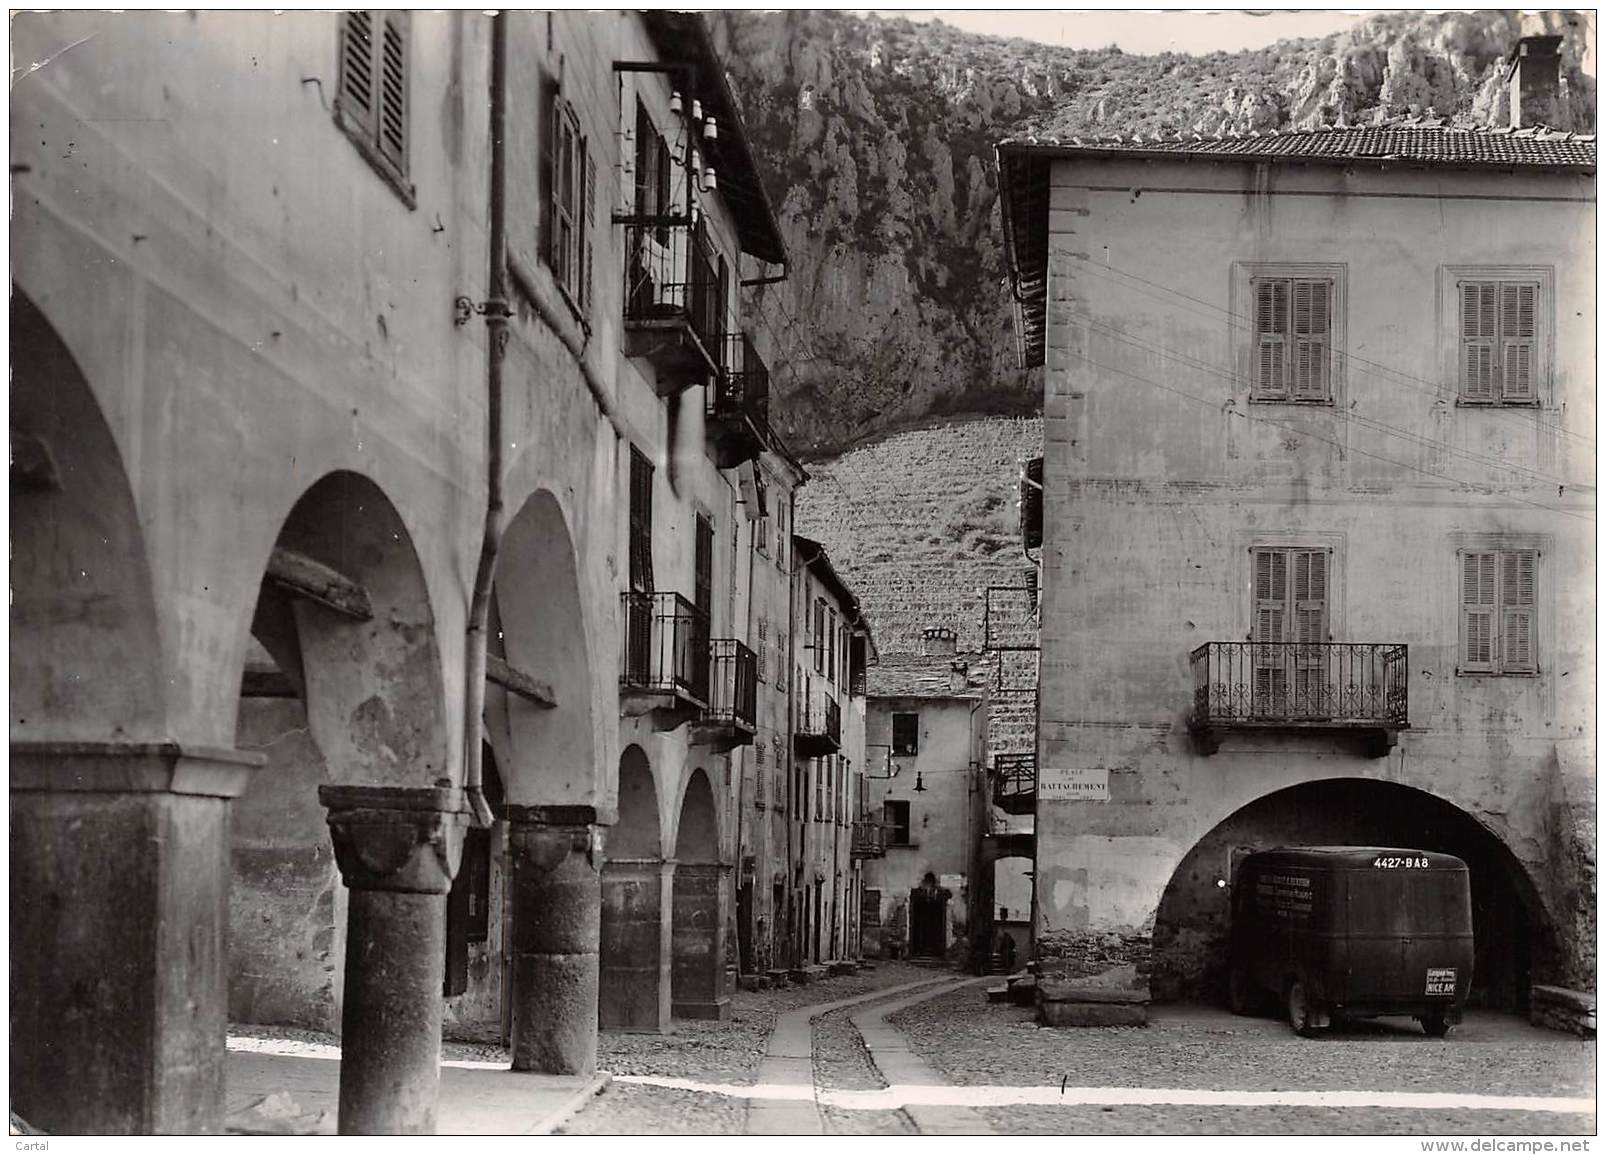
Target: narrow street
{"x": 906, "y": 1049}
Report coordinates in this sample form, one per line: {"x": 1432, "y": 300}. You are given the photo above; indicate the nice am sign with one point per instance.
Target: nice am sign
{"x": 1056, "y": 784}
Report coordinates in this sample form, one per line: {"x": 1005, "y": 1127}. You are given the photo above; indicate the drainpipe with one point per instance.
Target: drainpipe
{"x": 496, "y": 319}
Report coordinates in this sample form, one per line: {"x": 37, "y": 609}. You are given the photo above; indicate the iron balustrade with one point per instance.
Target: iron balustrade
{"x": 743, "y": 390}
{"x": 1300, "y": 684}
{"x": 670, "y": 277}
{"x": 666, "y": 646}
{"x": 733, "y": 685}
{"x": 869, "y": 839}
{"x": 819, "y": 726}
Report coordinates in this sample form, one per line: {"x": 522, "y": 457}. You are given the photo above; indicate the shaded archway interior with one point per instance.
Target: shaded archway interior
{"x": 636, "y": 834}
{"x": 697, "y": 834}
{"x": 1509, "y": 922}
{"x": 85, "y": 646}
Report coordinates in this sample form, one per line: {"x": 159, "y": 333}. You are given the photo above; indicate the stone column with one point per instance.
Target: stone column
{"x": 397, "y": 848}
{"x": 557, "y": 916}
{"x": 119, "y": 911}
{"x": 636, "y": 917}
{"x": 701, "y": 903}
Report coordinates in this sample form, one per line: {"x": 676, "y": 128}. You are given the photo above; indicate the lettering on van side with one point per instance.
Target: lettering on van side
{"x": 1286, "y": 896}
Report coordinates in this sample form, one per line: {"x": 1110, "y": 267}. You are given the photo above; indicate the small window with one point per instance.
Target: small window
{"x": 905, "y": 735}
{"x": 1499, "y": 341}
{"x": 1293, "y": 339}
{"x": 895, "y": 817}
{"x": 1498, "y": 601}
{"x": 371, "y": 97}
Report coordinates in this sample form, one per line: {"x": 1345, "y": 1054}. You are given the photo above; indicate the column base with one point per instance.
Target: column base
{"x": 718, "y": 1011}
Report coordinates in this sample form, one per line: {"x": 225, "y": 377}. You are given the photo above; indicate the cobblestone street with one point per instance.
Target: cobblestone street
{"x": 1254, "y": 1077}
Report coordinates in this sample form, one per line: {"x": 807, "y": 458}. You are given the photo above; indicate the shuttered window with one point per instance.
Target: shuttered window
{"x": 1497, "y": 611}
{"x": 1290, "y": 629}
{"x": 640, "y": 522}
{"x": 761, "y": 648}
{"x": 830, "y": 647}
{"x": 372, "y": 93}
{"x": 819, "y": 635}
{"x": 1293, "y": 340}
{"x": 569, "y": 185}
{"x": 1499, "y": 341}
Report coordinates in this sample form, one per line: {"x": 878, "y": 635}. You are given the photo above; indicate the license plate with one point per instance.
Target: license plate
{"x": 1441, "y": 981}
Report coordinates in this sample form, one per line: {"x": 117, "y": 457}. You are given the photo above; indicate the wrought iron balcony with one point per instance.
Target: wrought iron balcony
{"x": 731, "y": 717}
{"x": 672, "y": 306}
{"x": 1015, "y": 783}
{"x": 738, "y": 404}
{"x": 869, "y": 839}
{"x": 1337, "y": 686}
{"x": 819, "y": 722}
{"x": 665, "y": 662}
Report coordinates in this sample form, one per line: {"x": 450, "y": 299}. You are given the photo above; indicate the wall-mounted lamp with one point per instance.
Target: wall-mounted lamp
{"x": 920, "y": 782}
{"x": 711, "y": 129}
{"x": 674, "y": 103}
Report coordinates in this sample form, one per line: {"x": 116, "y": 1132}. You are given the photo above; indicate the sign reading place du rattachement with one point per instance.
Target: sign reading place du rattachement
{"x": 1061, "y": 784}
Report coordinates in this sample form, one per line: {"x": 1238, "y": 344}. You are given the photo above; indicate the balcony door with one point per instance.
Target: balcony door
{"x": 1290, "y": 632}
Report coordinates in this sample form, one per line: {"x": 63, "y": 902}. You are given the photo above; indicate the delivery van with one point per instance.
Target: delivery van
{"x": 1352, "y": 931}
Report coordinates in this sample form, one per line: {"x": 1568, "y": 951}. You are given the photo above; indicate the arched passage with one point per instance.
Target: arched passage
{"x": 118, "y": 879}
{"x": 700, "y": 907}
{"x": 1510, "y": 925}
{"x": 635, "y": 981}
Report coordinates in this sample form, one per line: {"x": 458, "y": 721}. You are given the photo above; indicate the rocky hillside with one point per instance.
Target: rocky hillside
{"x": 878, "y": 135}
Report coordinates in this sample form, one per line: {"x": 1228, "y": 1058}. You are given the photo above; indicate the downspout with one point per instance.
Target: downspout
{"x": 792, "y": 852}
{"x": 496, "y": 319}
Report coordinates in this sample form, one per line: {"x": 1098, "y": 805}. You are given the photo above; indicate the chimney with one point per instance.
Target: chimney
{"x": 1533, "y": 77}
{"x": 938, "y": 641}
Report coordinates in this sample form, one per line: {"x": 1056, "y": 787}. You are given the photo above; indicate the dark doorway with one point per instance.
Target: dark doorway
{"x": 816, "y": 922}
{"x": 468, "y": 906}
{"x": 928, "y": 919}
{"x": 744, "y": 925}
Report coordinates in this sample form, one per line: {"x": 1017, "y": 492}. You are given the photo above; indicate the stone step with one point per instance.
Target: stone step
{"x": 1562, "y": 1009}
{"x": 777, "y": 977}
{"x": 753, "y": 982}
{"x": 998, "y": 994}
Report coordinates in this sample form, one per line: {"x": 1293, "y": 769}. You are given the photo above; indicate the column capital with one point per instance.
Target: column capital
{"x": 392, "y": 838}
{"x": 131, "y": 768}
{"x": 549, "y": 814}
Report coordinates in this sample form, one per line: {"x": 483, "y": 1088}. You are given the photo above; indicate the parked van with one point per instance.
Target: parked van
{"x": 1355, "y": 931}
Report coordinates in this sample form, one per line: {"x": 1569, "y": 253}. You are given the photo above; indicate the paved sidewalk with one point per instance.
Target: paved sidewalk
{"x": 788, "y": 1064}
{"x": 476, "y": 1098}
{"x": 901, "y": 1066}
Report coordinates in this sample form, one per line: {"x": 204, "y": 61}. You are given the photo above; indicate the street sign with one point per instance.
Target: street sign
{"x": 1064, "y": 784}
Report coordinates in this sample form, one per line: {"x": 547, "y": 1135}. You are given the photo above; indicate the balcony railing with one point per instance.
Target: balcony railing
{"x": 672, "y": 305}
{"x": 738, "y": 403}
{"x": 869, "y": 839}
{"x": 666, "y": 647}
{"x": 1300, "y": 685}
{"x": 1015, "y": 783}
{"x": 733, "y": 687}
{"x": 819, "y": 723}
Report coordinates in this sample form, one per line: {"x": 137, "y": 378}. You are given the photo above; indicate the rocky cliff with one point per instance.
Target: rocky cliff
{"x": 877, "y": 135}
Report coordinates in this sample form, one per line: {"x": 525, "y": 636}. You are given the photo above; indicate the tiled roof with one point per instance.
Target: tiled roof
{"x": 1427, "y": 142}
{"x": 927, "y": 676}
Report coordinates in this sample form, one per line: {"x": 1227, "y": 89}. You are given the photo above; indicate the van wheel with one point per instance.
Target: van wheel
{"x": 1435, "y": 1024}
{"x": 1239, "y": 995}
{"x": 1300, "y": 1012}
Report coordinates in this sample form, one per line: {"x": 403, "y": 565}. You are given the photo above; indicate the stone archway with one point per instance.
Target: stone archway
{"x": 345, "y": 615}
{"x": 119, "y": 835}
{"x": 636, "y": 907}
{"x": 1510, "y": 924}
{"x": 700, "y": 907}
{"x": 540, "y": 707}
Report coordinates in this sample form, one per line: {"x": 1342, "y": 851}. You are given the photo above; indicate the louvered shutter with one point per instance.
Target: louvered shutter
{"x": 356, "y": 100}
{"x": 1309, "y": 572}
{"x": 393, "y": 96}
{"x": 548, "y": 121}
{"x": 1477, "y": 610}
{"x": 1517, "y": 302}
{"x": 640, "y": 522}
{"x": 588, "y": 261}
{"x": 1271, "y": 618}
{"x": 1271, "y": 333}
{"x": 762, "y": 648}
{"x": 661, "y": 172}
{"x": 646, "y": 159}
{"x": 1312, "y": 324}
{"x": 1517, "y": 611}
{"x": 1479, "y": 333}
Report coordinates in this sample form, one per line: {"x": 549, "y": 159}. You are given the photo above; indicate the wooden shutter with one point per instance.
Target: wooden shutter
{"x": 646, "y": 159}
{"x": 761, "y": 648}
{"x": 640, "y": 522}
{"x": 1517, "y": 302}
{"x": 355, "y": 98}
{"x": 548, "y": 117}
{"x": 589, "y": 199}
{"x": 1477, "y": 610}
{"x": 662, "y": 200}
{"x": 830, "y": 648}
{"x": 1517, "y": 611}
{"x": 393, "y": 96}
{"x": 703, "y": 579}
{"x": 819, "y": 635}
{"x": 1271, "y": 337}
{"x": 1271, "y": 627}
{"x": 1309, "y": 567}
{"x": 1312, "y": 327}
{"x": 1479, "y": 333}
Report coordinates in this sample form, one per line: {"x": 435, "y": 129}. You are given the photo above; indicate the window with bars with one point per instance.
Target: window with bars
{"x": 1293, "y": 339}
{"x": 372, "y": 91}
{"x": 569, "y": 179}
{"x": 1290, "y": 606}
{"x": 1499, "y": 338}
{"x": 1498, "y": 602}
{"x": 640, "y": 522}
